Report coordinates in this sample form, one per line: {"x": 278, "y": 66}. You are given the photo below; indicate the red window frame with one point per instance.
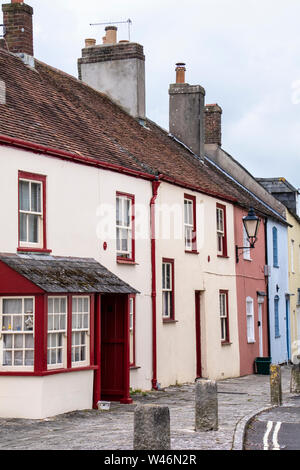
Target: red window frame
{"x": 224, "y": 253}
{"x": 121, "y": 259}
{"x": 133, "y": 298}
{"x": 194, "y": 239}
{"x": 42, "y": 179}
{"x": 172, "y": 311}
{"x": 227, "y": 338}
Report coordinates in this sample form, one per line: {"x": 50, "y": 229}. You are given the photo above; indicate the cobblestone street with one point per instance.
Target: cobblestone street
{"x": 113, "y": 429}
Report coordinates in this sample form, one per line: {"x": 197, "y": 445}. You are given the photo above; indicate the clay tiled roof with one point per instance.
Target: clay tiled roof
{"x": 50, "y": 108}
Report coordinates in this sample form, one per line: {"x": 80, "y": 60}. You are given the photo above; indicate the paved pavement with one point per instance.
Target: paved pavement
{"x": 239, "y": 399}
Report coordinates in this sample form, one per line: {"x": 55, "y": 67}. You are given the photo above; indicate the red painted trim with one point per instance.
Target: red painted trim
{"x": 32, "y": 250}
{"x": 38, "y": 148}
{"x": 92, "y": 330}
{"x": 133, "y": 296}
{"x": 69, "y": 331}
{"x": 225, "y": 247}
{"x": 126, "y": 261}
{"x": 40, "y": 333}
{"x": 194, "y": 240}
{"x": 172, "y": 263}
{"x": 131, "y": 260}
{"x": 48, "y": 372}
{"x": 227, "y": 340}
{"x": 97, "y": 352}
{"x": 155, "y": 187}
{"x": 42, "y": 179}
{"x": 198, "y": 334}
{"x": 126, "y": 397}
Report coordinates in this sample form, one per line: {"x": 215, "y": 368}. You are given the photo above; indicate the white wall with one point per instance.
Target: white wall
{"x": 75, "y": 194}
{"x": 42, "y": 397}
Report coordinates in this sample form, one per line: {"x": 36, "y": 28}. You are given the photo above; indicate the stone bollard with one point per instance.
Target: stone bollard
{"x": 152, "y": 428}
{"x": 275, "y": 384}
{"x": 206, "y": 405}
{"x": 295, "y": 379}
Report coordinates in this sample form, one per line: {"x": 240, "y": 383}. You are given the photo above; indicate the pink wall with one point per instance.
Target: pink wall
{"x": 250, "y": 280}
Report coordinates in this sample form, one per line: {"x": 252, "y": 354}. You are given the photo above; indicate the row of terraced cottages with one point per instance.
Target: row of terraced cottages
{"x": 124, "y": 259}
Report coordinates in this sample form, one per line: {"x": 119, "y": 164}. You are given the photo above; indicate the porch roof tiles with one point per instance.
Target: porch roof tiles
{"x": 58, "y": 275}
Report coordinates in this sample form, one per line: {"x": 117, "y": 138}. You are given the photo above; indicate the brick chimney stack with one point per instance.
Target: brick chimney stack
{"x": 17, "y": 19}
{"x": 213, "y": 124}
{"x": 186, "y": 112}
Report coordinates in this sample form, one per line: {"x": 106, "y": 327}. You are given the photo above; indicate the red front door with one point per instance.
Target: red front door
{"x": 115, "y": 348}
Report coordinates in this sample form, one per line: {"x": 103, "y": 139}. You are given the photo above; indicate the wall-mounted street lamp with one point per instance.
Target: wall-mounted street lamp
{"x": 251, "y": 223}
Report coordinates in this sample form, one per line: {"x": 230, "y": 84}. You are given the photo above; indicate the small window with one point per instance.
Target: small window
{"x": 190, "y": 223}
{"x": 250, "y": 320}
{"x": 221, "y": 230}
{"x": 125, "y": 226}
{"x": 132, "y": 329}
{"x": 32, "y": 217}
{"x": 276, "y": 317}
{"x": 298, "y": 297}
{"x": 80, "y": 330}
{"x": 168, "y": 289}
{"x": 275, "y": 247}
{"x": 246, "y": 245}
{"x": 57, "y": 331}
{"x": 17, "y": 333}
{"x": 223, "y": 306}
{"x": 292, "y": 255}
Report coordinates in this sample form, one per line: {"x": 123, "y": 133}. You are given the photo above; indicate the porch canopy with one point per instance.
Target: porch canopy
{"x": 57, "y": 275}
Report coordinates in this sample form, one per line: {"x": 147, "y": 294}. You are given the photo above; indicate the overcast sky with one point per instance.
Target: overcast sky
{"x": 245, "y": 53}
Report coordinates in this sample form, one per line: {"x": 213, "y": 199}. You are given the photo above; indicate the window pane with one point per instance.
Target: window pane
{"x": 7, "y": 341}
{"x": 33, "y": 221}
{"x": 35, "y": 197}
{"x": 29, "y": 359}
{"x": 12, "y": 306}
{"x": 23, "y": 227}
{"x": 118, "y": 211}
{"x": 124, "y": 241}
{"x": 7, "y": 358}
{"x": 24, "y": 196}
{"x": 28, "y": 305}
{"x": 127, "y": 214}
{"x": 18, "y": 358}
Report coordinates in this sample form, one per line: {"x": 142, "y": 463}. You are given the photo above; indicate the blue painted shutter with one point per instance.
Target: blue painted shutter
{"x": 276, "y": 312}
{"x": 275, "y": 247}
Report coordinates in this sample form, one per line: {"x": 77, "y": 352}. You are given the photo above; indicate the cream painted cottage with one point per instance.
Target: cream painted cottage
{"x": 117, "y": 264}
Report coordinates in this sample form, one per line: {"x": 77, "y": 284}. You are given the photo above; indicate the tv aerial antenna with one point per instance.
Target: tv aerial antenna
{"x": 129, "y": 22}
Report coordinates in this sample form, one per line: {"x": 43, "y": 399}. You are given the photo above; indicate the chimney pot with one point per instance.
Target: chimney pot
{"x": 180, "y": 72}
{"x": 111, "y": 35}
{"x": 90, "y": 42}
